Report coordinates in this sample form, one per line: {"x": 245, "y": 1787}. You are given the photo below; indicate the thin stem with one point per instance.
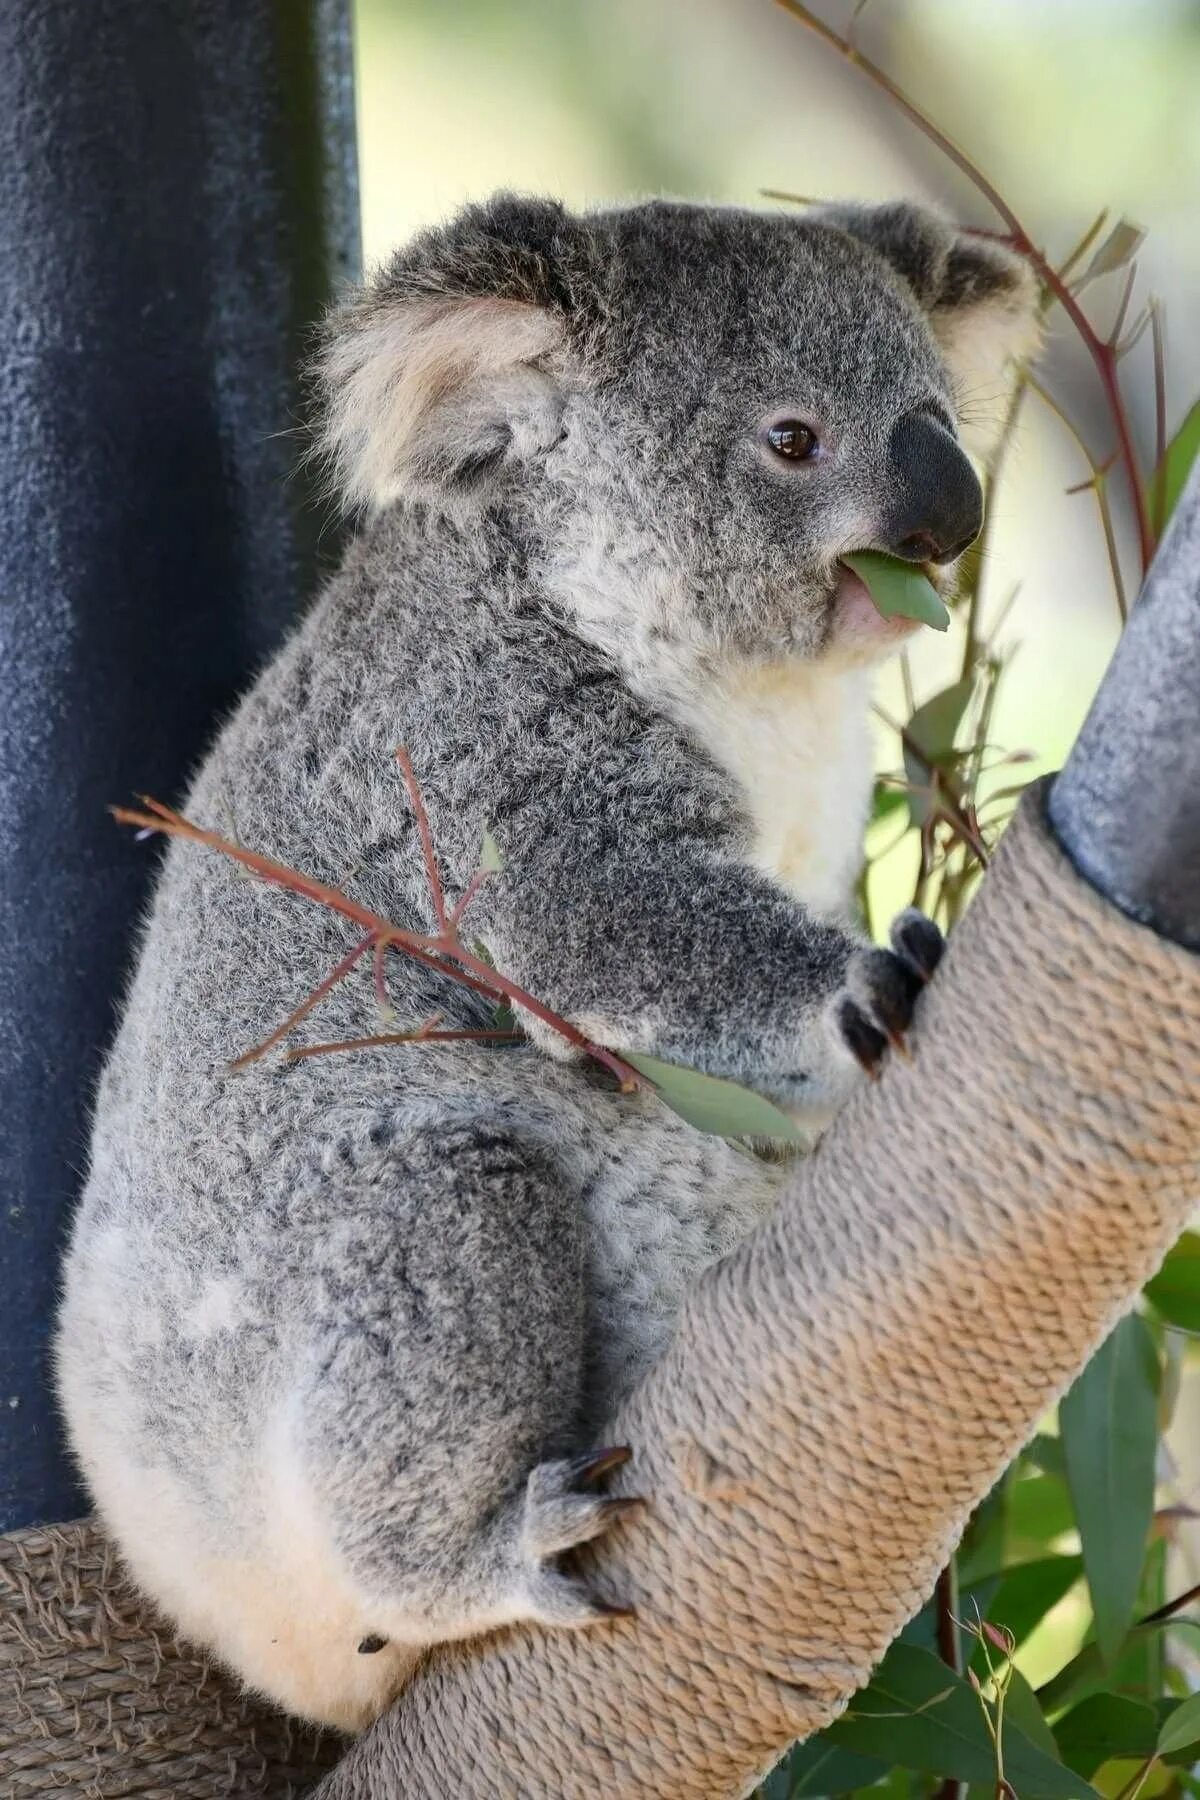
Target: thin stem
{"x": 1118, "y": 324}
{"x": 436, "y": 891}
{"x": 381, "y": 992}
{"x": 1085, "y": 243}
{"x": 1160, "y": 412}
{"x": 431, "y": 950}
{"x": 1135, "y": 337}
{"x": 946, "y": 1599}
{"x": 1171, "y": 1607}
{"x": 1102, "y": 353}
{"x": 387, "y": 1038}
{"x": 983, "y": 548}
{"x": 1137, "y": 1782}
{"x": 468, "y": 894}
{"x": 336, "y": 974}
{"x": 1096, "y": 482}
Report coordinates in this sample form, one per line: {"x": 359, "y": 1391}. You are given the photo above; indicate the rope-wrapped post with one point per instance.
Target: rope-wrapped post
{"x": 847, "y": 1386}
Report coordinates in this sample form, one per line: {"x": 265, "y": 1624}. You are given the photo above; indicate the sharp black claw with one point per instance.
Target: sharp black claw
{"x": 865, "y": 1044}
{"x": 627, "y": 1504}
{"x": 602, "y": 1462}
{"x": 919, "y": 942}
{"x": 612, "y": 1611}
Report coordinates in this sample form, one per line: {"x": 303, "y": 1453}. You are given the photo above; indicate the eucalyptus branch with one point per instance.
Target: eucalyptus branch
{"x": 1103, "y": 353}
{"x": 442, "y": 950}
{"x": 1096, "y": 484}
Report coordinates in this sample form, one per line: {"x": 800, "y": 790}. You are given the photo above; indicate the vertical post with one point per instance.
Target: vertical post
{"x": 177, "y": 202}
{"x": 1127, "y": 805}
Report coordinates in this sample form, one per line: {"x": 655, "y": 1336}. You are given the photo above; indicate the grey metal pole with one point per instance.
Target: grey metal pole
{"x": 1126, "y": 806}
{"x": 177, "y": 201}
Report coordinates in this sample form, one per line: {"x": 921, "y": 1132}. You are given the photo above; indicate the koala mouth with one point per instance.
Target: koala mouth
{"x": 857, "y": 626}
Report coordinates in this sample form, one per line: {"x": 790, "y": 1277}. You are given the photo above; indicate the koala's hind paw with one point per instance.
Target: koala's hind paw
{"x": 882, "y": 988}
{"x": 558, "y": 1517}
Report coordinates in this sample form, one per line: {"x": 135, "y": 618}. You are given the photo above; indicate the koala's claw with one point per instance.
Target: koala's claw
{"x": 559, "y": 1599}
{"x": 882, "y": 987}
{"x": 558, "y": 1517}
{"x": 865, "y": 1044}
{"x": 600, "y": 1462}
{"x": 918, "y": 942}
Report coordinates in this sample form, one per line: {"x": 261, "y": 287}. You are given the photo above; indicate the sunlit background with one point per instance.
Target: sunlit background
{"x": 1069, "y": 105}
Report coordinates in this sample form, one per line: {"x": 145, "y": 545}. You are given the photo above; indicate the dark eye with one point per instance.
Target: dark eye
{"x": 793, "y": 439}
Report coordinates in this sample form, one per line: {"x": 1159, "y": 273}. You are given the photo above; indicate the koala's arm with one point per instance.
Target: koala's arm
{"x": 626, "y": 906}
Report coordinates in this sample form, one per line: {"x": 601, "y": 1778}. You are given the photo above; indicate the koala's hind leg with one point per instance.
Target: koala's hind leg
{"x": 433, "y": 1429}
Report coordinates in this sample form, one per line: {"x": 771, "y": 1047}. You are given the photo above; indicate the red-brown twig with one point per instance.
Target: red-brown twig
{"x": 306, "y": 1006}
{"x": 415, "y": 799}
{"x": 1096, "y": 483}
{"x": 1104, "y": 354}
{"x": 441, "y": 951}
{"x": 468, "y": 894}
{"x": 420, "y": 1036}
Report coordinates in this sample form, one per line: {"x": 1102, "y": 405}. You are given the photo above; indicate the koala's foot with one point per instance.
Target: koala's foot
{"x": 558, "y": 1514}
{"x": 882, "y": 988}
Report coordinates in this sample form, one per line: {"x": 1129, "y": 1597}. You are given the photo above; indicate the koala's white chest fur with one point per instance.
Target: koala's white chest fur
{"x": 795, "y": 735}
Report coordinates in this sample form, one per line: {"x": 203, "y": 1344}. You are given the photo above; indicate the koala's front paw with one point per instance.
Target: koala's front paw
{"x": 876, "y": 1006}
{"x": 558, "y": 1516}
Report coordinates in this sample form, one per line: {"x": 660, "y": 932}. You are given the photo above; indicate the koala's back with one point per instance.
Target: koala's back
{"x": 242, "y": 1233}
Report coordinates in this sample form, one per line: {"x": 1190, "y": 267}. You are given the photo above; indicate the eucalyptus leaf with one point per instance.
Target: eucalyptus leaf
{"x": 929, "y": 739}
{"x": 1174, "y": 1292}
{"x": 1173, "y": 470}
{"x": 1022, "y": 1709}
{"x": 1181, "y": 1728}
{"x": 898, "y": 589}
{"x": 1086, "y": 1674}
{"x": 490, "y": 858}
{"x": 1104, "y": 1726}
{"x": 1039, "y": 1509}
{"x": 1119, "y": 248}
{"x": 820, "y": 1768}
{"x": 887, "y": 800}
{"x": 920, "y": 1714}
{"x": 1024, "y": 1595}
{"x": 1109, "y": 1426}
{"x": 711, "y": 1104}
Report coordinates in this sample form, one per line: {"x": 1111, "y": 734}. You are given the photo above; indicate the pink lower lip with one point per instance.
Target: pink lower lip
{"x": 858, "y": 620}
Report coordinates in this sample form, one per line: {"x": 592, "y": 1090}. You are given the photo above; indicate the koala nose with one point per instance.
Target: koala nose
{"x": 938, "y": 509}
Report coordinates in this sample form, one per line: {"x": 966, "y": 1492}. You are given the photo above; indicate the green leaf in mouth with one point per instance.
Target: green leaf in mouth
{"x": 899, "y": 589}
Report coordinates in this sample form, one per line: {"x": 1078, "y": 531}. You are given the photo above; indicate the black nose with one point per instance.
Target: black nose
{"x": 938, "y": 506}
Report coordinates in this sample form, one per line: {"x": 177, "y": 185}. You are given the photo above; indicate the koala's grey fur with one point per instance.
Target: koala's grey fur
{"x": 336, "y": 1335}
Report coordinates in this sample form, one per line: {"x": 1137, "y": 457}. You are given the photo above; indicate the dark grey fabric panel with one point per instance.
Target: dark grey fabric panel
{"x": 177, "y": 202}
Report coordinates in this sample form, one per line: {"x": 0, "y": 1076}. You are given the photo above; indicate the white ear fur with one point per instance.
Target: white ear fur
{"x": 430, "y": 395}
{"x": 982, "y": 343}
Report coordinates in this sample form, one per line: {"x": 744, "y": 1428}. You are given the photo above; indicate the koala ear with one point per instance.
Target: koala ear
{"x": 980, "y": 297}
{"x": 435, "y": 395}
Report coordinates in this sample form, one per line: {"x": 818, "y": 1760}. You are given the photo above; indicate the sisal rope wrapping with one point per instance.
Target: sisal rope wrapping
{"x": 98, "y": 1700}
{"x": 849, "y": 1384}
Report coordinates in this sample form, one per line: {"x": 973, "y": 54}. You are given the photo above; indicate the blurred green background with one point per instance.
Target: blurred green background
{"x": 1070, "y": 106}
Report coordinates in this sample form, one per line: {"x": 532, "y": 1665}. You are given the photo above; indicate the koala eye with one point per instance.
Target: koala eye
{"x": 793, "y": 439}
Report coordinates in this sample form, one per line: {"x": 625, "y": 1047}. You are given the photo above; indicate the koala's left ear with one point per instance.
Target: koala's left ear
{"x": 447, "y": 371}
{"x": 981, "y": 298}
{"x": 436, "y": 395}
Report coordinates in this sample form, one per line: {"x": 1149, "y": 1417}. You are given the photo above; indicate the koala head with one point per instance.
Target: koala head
{"x": 693, "y": 411}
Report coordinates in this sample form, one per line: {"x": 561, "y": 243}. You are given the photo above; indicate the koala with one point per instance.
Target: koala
{"x": 338, "y": 1334}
